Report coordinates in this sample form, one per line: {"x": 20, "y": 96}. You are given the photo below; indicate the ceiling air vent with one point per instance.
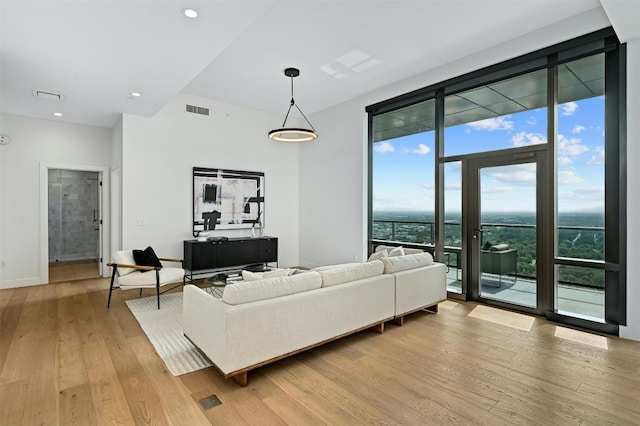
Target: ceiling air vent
{"x": 197, "y": 110}
{"x": 43, "y": 94}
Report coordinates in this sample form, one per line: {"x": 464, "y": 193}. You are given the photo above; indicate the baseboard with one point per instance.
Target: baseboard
{"x": 23, "y": 282}
{"x": 631, "y": 333}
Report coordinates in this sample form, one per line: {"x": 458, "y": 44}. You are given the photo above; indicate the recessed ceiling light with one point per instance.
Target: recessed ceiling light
{"x": 190, "y": 13}
{"x": 135, "y": 94}
{"x": 57, "y": 114}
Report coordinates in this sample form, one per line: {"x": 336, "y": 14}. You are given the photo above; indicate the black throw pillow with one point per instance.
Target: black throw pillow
{"x": 146, "y": 257}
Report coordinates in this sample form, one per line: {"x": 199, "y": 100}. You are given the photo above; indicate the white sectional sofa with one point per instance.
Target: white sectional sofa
{"x": 420, "y": 283}
{"x": 258, "y": 322}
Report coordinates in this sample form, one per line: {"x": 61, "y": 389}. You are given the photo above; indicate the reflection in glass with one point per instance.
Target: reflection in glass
{"x": 506, "y": 114}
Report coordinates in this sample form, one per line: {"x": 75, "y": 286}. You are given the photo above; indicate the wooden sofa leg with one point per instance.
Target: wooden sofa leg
{"x": 378, "y": 328}
{"x": 242, "y": 379}
{"x": 433, "y": 308}
{"x": 399, "y": 321}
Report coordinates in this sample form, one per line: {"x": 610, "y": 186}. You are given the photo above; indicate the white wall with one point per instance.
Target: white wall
{"x": 632, "y": 331}
{"x": 331, "y": 168}
{"x": 3, "y": 203}
{"x": 159, "y": 154}
{"x": 332, "y": 188}
{"x": 333, "y": 178}
{"x": 115, "y": 195}
{"x": 35, "y": 142}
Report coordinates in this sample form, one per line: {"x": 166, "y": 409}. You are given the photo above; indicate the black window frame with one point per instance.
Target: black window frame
{"x": 602, "y": 41}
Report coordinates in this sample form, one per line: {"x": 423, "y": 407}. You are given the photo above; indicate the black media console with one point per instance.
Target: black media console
{"x": 205, "y": 257}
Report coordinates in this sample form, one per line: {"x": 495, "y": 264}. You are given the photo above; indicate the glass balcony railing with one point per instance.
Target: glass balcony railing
{"x": 576, "y": 242}
{"x": 580, "y": 289}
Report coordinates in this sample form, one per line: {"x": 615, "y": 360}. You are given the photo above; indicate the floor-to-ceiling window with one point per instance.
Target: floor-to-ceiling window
{"x": 580, "y": 187}
{"x": 512, "y": 175}
{"x": 403, "y": 164}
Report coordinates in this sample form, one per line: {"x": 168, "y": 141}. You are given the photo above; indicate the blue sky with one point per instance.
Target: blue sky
{"x": 403, "y": 168}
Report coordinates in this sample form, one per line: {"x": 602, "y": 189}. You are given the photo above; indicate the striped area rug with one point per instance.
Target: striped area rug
{"x": 163, "y": 327}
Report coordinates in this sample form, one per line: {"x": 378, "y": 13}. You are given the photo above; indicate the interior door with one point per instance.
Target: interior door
{"x": 500, "y": 223}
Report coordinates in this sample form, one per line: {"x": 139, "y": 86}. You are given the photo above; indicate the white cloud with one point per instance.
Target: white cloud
{"x": 531, "y": 121}
{"x": 525, "y": 139}
{"x": 520, "y": 174}
{"x": 585, "y": 199}
{"x": 571, "y": 146}
{"x": 455, "y": 186}
{"x": 569, "y": 108}
{"x": 591, "y": 192}
{"x": 598, "y": 158}
{"x": 428, "y": 186}
{"x": 578, "y": 129}
{"x": 563, "y": 160}
{"x": 569, "y": 177}
{"x": 522, "y": 177}
{"x": 491, "y": 124}
{"x": 491, "y": 189}
{"x": 422, "y": 149}
{"x": 383, "y": 147}
{"x": 403, "y": 202}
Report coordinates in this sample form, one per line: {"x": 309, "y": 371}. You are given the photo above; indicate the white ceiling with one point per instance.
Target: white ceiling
{"x": 95, "y": 52}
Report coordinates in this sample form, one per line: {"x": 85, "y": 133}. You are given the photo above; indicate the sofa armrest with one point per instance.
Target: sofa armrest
{"x": 137, "y": 267}
{"x": 204, "y": 321}
{"x": 419, "y": 288}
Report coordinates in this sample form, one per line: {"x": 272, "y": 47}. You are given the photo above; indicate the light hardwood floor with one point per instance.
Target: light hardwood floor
{"x": 71, "y": 271}
{"x": 65, "y": 359}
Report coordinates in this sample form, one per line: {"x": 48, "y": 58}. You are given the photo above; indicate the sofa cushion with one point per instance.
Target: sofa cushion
{"x": 396, "y": 251}
{"x": 408, "y": 261}
{"x": 268, "y": 288}
{"x": 336, "y": 266}
{"x": 351, "y": 272}
{"x": 254, "y": 276}
{"x": 499, "y": 247}
{"x": 406, "y": 250}
{"x": 148, "y": 278}
{"x": 377, "y": 255}
{"x": 124, "y": 257}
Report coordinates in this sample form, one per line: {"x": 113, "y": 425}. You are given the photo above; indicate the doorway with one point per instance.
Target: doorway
{"x": 74, "y": 224}
{"x": 493, "y": 246}
{"x": 501, "y": 230}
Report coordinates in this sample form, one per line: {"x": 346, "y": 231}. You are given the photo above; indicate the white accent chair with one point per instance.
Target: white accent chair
{"x": 127, "y": 275}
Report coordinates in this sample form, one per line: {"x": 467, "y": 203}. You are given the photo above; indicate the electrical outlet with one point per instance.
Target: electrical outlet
{"x": 140, "y": 222}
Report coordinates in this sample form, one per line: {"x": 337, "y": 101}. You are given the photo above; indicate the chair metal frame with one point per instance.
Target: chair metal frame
{"x": 115, "y": 267}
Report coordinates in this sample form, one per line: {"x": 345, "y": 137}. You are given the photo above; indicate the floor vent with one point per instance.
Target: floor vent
{"x": 210, "y": 402}
{"x": 197, "y": 110}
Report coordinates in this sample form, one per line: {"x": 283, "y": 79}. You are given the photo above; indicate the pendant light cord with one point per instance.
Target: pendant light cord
{"x": 293, "y": 102}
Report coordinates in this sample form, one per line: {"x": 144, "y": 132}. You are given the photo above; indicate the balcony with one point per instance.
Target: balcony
{"x": 580, "y": 290}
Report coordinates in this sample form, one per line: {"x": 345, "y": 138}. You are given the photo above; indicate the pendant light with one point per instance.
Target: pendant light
{"x": 293, "y": 134}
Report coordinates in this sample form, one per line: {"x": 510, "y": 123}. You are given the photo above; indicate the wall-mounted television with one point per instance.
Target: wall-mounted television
{"x": 227, "y": 199}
